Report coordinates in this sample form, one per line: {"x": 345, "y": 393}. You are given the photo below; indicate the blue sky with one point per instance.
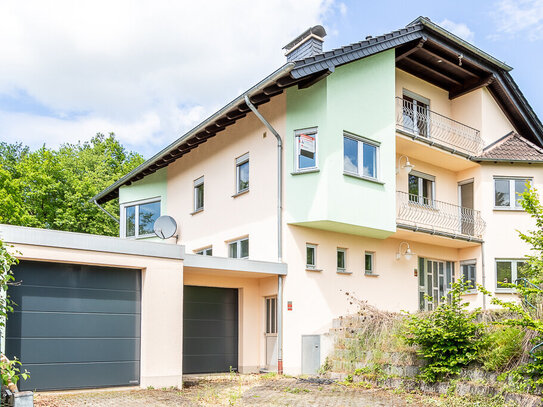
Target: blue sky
{"x": 151, "y": 70}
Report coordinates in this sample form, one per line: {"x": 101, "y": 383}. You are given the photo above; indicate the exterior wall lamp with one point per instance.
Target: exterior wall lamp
{"x": 407, "y": 253}
{"x": 407, "y": 166}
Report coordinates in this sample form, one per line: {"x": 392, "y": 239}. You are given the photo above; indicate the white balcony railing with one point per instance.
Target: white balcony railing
{"x": 438, "y": 216}
{"x": 435, "y": 129}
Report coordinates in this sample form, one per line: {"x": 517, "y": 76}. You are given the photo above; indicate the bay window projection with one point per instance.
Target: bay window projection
{"x": 305, "y": 149}
{"x": 139, "y": 218}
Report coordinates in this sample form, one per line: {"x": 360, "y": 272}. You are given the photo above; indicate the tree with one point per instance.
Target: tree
{"x": 51, "y": 189}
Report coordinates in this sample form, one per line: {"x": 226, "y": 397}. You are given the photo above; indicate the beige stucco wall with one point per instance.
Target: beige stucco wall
{"x": 161, "y": 306}
{"x": 252, "y": 293}
{"x": 224, "y": 217}
{"x": 320, "y": 296}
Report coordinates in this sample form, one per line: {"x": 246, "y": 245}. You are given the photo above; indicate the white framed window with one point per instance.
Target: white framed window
{"x": 239, "y": 249}
{"x": 507, "y": 191}
{"x": 360, "y": 156}
{"x": 508, "y": 271}
{"x": 468, "y": 269}
{"x": 139, "y": 218}
{"x": 341, "y": 260}
{"x": 421, "y": 188}
{"x": 199, "y": 194}
{"x": 242, "y": 173}
{"x": 311, "y": 256}
{"x": 206, "y": 251}
{"x": 369, "y": 262}
{"x": 271, "y": 315}
{"x": 305, "y": 148}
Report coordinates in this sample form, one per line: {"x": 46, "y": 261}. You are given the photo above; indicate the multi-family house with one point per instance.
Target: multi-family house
{"x": 384, "y": 169}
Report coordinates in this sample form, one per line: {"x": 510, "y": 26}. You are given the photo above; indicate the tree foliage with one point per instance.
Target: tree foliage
{"x": 51, "y": 189}
{"x": 448, "y": 338}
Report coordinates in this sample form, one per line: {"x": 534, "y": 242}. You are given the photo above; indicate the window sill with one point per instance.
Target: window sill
{"x": 371, "y": 275}
{"x": 344, "y": 272}
{"x": 307, "y": 171}
{"x": 471, "y": 292}
{"x": 508, "y": 209}
{"x": 374, "y": 180}
{"x": 240, "y": 193}
{"x": 197, "y": 211}
{"x": 505, "y": 291}
{"x": 312, "y": 269}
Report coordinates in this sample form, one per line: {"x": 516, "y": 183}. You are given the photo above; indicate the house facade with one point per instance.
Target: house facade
{"x": 384, "y": 170}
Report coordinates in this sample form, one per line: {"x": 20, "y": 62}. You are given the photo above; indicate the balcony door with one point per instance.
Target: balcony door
{"x": 465, "y": 191}
{"x": 416, "y": 114}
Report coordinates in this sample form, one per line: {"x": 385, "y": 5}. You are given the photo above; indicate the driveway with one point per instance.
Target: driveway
{"x": 237, "y": 390}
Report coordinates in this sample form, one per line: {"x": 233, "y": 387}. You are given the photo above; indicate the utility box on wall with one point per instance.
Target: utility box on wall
{"x": 311, "y": 354}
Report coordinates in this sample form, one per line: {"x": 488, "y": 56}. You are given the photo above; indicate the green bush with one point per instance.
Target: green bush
{"x": 448, "y": 338}
{"x": 500, "y": 347}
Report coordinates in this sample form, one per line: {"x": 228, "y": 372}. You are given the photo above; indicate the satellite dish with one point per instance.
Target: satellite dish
{"x": 165, "y": 227}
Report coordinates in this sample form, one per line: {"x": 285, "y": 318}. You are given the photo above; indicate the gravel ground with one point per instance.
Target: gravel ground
{"x": 232, "y": 390}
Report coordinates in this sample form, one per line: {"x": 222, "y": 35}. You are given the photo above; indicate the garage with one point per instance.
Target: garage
{"x": 210, "y": 329}
{"x": 75, "y": 326}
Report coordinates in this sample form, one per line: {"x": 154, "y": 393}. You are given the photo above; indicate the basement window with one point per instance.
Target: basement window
{"x": 139, "y": 218}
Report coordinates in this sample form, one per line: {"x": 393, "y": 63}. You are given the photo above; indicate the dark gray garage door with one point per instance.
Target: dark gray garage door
{"x": 75, "y": 326}
{"x": 210, "y": 329}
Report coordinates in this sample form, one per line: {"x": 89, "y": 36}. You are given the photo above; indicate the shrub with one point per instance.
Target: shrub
{"x": 500, "y": 347}
{"x": 448, "y": 338}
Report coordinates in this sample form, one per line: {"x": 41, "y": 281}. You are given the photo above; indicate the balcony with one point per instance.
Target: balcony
{"x": 418, "y": 213}
{"x": 420, "y": 123}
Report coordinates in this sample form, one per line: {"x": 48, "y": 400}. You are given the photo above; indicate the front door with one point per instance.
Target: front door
{"x": 466, "y": 208}
{"x": 435, "y": 279}
{"x": 271, "y": 333}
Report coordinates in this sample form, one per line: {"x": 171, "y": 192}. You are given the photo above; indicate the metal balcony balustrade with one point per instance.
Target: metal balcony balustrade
{"x": 438, "y": 216}
{"x": 419, "y": 122}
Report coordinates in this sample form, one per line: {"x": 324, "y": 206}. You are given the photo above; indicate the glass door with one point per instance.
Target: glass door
{"x": 435, "y": 279}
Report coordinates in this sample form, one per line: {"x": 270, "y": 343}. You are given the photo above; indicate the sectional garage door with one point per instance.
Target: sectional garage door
{"x": 210, "y": 329}
{"x": 75, "y": 326}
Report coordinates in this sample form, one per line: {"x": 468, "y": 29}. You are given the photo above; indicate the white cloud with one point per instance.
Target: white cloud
{"x": 148, "y": 70}
{"x": 459, "y": 29}
{"x": 514, "y": 17}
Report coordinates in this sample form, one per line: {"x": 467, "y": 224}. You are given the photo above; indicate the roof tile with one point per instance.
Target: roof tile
{"x": 512, "y": 147}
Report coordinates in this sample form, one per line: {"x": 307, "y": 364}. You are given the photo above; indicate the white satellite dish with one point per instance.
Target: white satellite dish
{"x": 165, "y": 227}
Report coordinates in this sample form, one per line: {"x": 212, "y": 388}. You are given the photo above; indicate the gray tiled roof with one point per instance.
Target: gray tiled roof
{"x": 511, "y": 147}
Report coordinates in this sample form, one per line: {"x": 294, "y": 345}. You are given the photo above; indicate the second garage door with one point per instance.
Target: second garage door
{"x": 75, "y": 326}
{"x": 210, "y": 329}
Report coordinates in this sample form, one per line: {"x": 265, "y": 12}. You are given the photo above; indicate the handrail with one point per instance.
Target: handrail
{"x": 424, "y": 124}
{"x": 437, "y": 215}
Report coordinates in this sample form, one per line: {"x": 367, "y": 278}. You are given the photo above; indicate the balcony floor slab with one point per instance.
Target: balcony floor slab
{"x": 433, "y": 239}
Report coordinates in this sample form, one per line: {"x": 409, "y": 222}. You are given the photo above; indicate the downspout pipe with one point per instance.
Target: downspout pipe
{"x": 106, "y": 212}
{"x": 279, "y": 230}
{"x": 483, "y": 274}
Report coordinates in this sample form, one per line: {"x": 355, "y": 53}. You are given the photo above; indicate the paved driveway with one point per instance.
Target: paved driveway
{"x": 232, "y": 390}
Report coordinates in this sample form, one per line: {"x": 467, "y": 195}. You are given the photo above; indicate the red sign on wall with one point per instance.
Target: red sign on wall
{"x": 289, "y": 305}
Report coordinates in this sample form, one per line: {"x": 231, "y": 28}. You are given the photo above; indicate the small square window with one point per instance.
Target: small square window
{"x": 306, "y": 149}
{"x": 369, "y": 261}
{"x": 311, "y": 256}
{"x": 239, "y": 249}
{"x": 341, "y": 260}
{"x": 199, "y": 194}
{"x": 242, "y": 173}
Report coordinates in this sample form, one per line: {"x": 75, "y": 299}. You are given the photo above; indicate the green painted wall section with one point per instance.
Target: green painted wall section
{"x": 358, "y": 98}
{"x": 152, "y": 186}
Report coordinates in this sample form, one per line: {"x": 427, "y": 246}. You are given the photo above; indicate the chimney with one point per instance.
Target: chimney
{"x": 305, "y": 45}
